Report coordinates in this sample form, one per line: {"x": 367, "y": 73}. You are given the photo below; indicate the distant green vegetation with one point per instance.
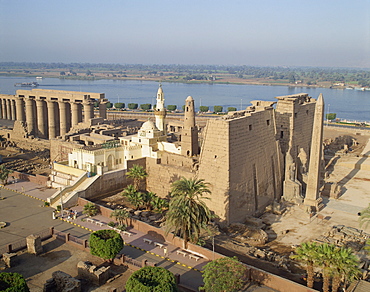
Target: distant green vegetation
{"x": 194, "y": 73}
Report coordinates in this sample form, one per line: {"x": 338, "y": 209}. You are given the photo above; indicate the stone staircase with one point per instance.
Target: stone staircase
{"x": 59, "y": 179}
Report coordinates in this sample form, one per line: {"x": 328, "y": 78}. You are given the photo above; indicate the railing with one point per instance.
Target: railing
{"x": 44, "y": 234}
{"x": 133, "y": 262}
{"x": 76, "y": 240}
{"x": 18, "y": 245}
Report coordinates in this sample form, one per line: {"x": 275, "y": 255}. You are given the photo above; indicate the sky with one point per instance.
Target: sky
{"x": 323, "y": 33}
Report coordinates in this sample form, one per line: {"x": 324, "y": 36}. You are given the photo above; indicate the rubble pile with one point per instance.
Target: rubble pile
{"x": 252, "y": 234}
{"x": 341, "y": 235}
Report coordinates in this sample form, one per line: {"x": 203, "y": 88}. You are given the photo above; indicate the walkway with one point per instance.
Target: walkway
{"x": 135, "y": 246}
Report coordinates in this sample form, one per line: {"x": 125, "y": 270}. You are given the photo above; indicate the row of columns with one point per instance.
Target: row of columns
{"x": 47, "y": 118}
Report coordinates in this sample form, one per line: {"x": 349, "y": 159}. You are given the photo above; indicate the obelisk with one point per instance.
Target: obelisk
{"x": 313, "y": 198}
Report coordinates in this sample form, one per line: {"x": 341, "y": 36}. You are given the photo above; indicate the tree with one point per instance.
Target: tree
{"x": 187, "y": 213}
{"x": 224, "y": 275}
{"x": 345, "y": 266}
{"x": 331, "y": 116}
{"x": 105, "y": 244}
{"x": 119, "y": 105}
{"x": 148, "y": 279}
{"x": 307, "y": 254}
{"x": 231, "y": 109}
{"x": 203, "y": 108}
{"x": 90, "y": 209}
{"x": 146, "y": 106}
{"x": 120, "y": 215}
{"x": 147, "y": 199}
{"x": 326, "y": 253}
{"x": 137, "y": 173}
{"x": 13, "y": 282}
{"x": 133, "y": 196}
{"x": 158, "y": 204}
{"x": 172, "y": 107}
{"x": 109, "y": 105}
{"x": 365, "y": 217}
{"x": 4, "y": 174}
{"x": 217, "y": 109}
{"x": 132, "y": 106}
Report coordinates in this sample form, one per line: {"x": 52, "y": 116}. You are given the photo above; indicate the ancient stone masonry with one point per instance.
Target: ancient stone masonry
{"x": 50, "y": 113}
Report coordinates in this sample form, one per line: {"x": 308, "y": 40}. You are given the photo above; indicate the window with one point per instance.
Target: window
{"x": 281, "y": 134}
{"x": 268, "y": 122}
{"x": 250, "y": 127}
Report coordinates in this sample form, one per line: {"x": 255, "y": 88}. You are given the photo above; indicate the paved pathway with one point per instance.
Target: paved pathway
{"x": 21, "y": 197}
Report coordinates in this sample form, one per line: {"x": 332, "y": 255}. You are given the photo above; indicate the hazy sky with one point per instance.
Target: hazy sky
{"x": 245, "y": 32}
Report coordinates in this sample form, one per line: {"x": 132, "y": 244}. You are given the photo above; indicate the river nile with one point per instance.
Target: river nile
{"x": 347, "y": 104}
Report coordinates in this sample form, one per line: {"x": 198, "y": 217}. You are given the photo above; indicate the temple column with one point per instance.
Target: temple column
{"x": 80, "y": 116}
{"x": 20, "y": 109}
{"x": 12, "y": 108}
{"x": 41, "y": 127}
{"x": 9, "y": 109}
{"x": 88, "y": 111}
{"x": 1, "y": 110}
{"x": 3, "y": 107}
{"x": 74, "y": 111}
{"x": 63, "y": 118}
{"x": 30, "y": 119}
{"x": 51, "y": 119}
{"x": 103, "y": 109}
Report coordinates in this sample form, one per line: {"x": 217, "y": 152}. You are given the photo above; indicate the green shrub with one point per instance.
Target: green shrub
{"x": 204, "y": 108}
{"x": 146, "y": 106}
{"x": 132, "y": 106}
{"x": 151, "y": 279}
{"x": 13, "y": 282}
{"x": 119, "y": 105}
{"x": 231, "y": 109}
{"x": 109, "y": 105}
{"x": 105, "y": 244}
{"x": 172, "y": 107}
{"x": 111, "y": 224}
{"x": 217, "y": 109}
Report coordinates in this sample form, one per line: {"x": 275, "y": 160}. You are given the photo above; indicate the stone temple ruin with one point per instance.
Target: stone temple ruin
{"x": 252, "y": 158}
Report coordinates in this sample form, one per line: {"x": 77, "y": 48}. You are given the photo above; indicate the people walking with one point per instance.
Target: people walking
{"x": 165, "y": 251}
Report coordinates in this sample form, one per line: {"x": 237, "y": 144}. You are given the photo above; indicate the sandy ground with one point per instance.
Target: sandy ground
{"x": 59, "y": 256}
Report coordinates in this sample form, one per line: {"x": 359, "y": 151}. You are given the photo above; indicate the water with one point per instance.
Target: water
{"x": 347, "y": 104}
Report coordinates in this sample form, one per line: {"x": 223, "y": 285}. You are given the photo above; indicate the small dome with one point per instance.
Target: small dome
{"x": 189, "y": 98}
{"x": 160, "y": 90}
{"x": 148, "y": 125}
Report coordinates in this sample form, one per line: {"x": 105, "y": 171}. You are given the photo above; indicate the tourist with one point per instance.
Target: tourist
{"x": 165, "y": 251}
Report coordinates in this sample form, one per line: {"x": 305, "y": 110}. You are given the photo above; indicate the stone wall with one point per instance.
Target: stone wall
{"x": 241, "y": 160}
{"x": 162, "y": 175}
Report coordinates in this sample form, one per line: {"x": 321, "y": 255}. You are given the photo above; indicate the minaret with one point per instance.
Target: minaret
{"x": 313, "y": 198}
{"x": 189, "y": 135}
{"x": 160, "y": 111}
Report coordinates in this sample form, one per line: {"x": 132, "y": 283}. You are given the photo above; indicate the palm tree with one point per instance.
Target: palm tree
{"x": 134, "y": 197}
{"x": 120, "y": 215}
{"x": 90, "y": 209}
{"x": 326, "y": 260}
{"x": 137, "y": 173}
{"x": 307, "y": 254}
{"x": 147, "y": 200}
{"x": 365, "y": 217}
{"x": 345, "y": 266}
{"x": 188, "y": 213}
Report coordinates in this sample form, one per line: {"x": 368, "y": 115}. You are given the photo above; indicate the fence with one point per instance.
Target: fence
{"x": 22, "y": 243}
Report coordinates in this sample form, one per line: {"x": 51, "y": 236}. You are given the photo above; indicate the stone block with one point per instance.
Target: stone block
{"x": 34, "y": 245}
{"x": 9, "y": 259}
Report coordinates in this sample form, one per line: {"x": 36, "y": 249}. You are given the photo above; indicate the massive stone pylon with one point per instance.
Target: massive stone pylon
{"x": 313, "y": 198}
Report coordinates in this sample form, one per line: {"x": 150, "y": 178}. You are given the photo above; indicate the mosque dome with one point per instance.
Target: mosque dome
{"x": 148, "y": 125}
